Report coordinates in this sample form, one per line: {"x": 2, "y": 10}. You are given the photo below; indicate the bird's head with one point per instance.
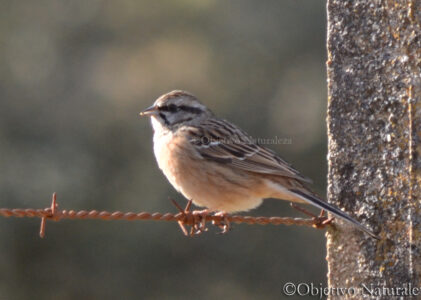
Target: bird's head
{"x": 176, "y": 109}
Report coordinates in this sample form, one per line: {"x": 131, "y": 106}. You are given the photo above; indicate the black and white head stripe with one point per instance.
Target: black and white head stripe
{"x": 179, "y": 108}
{"x": 175, "y": 108}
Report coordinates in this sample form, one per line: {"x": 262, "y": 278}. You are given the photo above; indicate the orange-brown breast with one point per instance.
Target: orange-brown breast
{"x": 209, "y": 184}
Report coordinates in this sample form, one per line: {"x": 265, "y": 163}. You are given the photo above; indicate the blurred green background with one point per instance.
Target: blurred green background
{"x": 73, "y": 77}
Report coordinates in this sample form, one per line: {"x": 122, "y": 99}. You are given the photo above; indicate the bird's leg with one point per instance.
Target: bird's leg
{"x": 224, "y": 223}
{"x": 319, "y": 221}
{"x": 196, "y": 219}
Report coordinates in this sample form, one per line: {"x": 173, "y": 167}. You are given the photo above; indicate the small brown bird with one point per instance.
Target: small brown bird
{"x": 219, "y": 166}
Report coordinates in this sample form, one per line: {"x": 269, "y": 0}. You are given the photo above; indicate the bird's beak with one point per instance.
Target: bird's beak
{"x": 151, "y": 110}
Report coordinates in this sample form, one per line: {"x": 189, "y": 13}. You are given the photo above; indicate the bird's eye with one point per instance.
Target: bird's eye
{"x": 172, "y": 108}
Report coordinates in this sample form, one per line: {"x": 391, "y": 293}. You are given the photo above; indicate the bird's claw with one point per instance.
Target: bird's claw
{"x": 196, "y": 219}
{"x": 199, "y": 225}
{"x": 223, "y": 223}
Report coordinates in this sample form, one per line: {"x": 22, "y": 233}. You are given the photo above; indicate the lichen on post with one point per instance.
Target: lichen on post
{"x": 374, "y": 127}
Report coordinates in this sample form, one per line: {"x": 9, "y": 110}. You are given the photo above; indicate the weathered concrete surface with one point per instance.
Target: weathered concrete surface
{"x": 374, "y": 123}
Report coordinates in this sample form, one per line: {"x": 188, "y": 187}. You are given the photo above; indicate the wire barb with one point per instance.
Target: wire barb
{"x": 320, "y": 221}
{"x": 52, "y": 209}
{"x": 196, "y": 219}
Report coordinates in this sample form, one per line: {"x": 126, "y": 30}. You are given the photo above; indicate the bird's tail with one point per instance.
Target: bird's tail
{"x": 330, "y": 208}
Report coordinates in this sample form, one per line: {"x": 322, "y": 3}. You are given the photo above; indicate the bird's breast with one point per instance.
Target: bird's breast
{"x": 173, "y": 154}
{"x": 208, "y": 184}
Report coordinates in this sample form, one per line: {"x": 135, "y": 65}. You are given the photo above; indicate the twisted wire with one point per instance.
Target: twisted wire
{"x": 183, "y": 217}
{"x": 131, "y": 216}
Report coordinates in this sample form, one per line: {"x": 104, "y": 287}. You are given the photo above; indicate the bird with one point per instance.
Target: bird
{"x": 217, "y": 165}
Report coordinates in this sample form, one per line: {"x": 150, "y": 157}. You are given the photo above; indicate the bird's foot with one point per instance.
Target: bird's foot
{"x": 196, "y": 219}
{"x": 223, "y": 223}
{"x": 199, "y": 225}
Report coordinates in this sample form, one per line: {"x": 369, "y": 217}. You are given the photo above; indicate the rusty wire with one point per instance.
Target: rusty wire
{"x": 183, "y": 217}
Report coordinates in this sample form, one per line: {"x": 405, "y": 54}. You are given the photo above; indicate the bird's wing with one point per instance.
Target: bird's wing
{"x": 223, "y": 142}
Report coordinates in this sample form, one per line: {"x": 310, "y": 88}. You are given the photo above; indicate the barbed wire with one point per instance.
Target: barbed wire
{"x": 196, "y": 219}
